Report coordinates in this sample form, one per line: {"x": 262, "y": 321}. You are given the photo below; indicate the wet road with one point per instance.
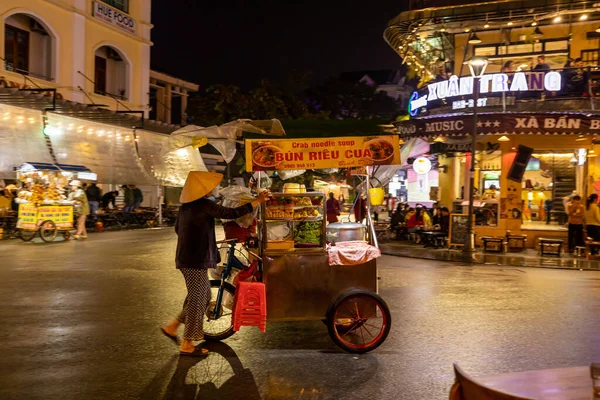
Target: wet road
{"x": 80, "y": 320}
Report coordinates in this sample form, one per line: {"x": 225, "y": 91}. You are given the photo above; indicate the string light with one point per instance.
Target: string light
{"x": 557, "y": 19}
{"x": 583, "y": 17}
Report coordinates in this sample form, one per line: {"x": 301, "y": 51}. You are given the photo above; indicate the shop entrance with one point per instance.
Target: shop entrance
{"x": 549, "y": 181}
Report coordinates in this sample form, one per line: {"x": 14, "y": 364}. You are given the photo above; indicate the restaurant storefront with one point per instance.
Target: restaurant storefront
{"x": 537, "y": 124}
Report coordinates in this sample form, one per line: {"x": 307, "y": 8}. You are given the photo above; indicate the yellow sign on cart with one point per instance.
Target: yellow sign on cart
{"x": 30, "y": 216}
{"x": 335, "y": 152}
{"x": 27, "y": 216}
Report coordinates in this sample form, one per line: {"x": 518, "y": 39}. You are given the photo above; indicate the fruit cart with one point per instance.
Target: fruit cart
{"x": 46, "y": 220}
{"x": 301, "y": 282}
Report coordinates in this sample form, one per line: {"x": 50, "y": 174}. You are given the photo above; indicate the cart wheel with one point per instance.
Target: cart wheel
{"x": 26, "y": 235}
{"x": 48, "y": 231}
{"x": 222, "y": 327}
{"x": 358, "y": 321}
{"x": 66, "y": 235}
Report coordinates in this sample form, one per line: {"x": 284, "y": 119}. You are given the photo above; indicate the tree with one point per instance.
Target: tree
{"x": 343, "y": 100}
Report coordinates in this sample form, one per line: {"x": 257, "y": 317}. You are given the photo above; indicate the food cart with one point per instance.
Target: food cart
{"x": 305, "y": 277}
{"x": 43, "y": 208}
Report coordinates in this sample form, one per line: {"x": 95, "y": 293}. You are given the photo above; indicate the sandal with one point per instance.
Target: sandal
{"x": 173, "y": 338}
{"x": 198, "y": 352}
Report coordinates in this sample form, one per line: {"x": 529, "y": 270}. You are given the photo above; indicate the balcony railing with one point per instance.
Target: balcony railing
{"x": 577, "y": 90}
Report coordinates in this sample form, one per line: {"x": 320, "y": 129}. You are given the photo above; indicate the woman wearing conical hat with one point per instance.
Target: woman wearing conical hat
{"x": 197, "y": 251}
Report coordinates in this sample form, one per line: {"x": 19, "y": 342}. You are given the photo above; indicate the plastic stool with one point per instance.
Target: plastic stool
{"x": 250, "y": 306}
{"x": 580, "y": 251}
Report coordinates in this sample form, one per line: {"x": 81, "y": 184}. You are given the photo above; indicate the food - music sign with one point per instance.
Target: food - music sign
{"x": 338, "y": 152}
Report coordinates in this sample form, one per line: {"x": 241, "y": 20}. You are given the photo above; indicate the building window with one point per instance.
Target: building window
{"x": 16, "y": 49}
{"x": 28, "y": 47}
{"x": 111, "y": 73}
{"x": 122, "y": 5}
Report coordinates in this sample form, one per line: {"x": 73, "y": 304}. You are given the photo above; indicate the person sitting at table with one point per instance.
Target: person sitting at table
{"x": 109, "y": 198}
{"x": 420, "y": 219}
{"x": 444, "y": 220}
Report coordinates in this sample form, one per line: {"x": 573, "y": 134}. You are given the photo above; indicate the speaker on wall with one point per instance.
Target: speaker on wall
{"x": 517, "y": 169}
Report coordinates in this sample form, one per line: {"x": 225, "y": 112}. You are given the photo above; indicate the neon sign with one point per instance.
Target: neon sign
{"x": 492, "y": 83}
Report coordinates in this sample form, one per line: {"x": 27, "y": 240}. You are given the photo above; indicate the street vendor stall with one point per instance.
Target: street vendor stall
{"x": 43, "y": 205}
{"x": 306, "y": 278}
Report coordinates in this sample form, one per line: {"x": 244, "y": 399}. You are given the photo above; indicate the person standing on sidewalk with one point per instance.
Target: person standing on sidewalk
{"x": 138, "y": 197}
{"x": 81, "y": 208}
{"x": 94, "y": 195}
{"x": 197, "y": 251}
{"x": 127, "y": 198}
{"x": 592, "y": 217}
{"x": 576, "y": 212}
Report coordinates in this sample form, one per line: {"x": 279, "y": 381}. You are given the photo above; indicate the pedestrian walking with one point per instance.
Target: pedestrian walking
{"x": 94, "y": 195}
{"x": 333, "y": 208}
{"x": 81, "y": 208}
{"x": 592, "y": 217}
{"x": 138, "y": 197}
{"x": 197, "y": 251}
{"x": 127, "y": 198}
{"x": 576, "y": 212}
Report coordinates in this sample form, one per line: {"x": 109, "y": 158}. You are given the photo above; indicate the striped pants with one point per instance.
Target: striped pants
{"x": 195, "y": 304}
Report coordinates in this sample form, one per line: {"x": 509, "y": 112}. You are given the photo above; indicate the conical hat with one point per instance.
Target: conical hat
{"x": 198, "y": 184}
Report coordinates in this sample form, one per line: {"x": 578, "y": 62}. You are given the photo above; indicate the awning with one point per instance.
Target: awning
{"x": 30, "y": 166}
{"x": 21, "y": 139}
{"x": 461, "y": 124}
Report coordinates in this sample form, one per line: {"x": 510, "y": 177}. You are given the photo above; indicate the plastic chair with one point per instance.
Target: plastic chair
{"x": 465, "y": 388}
{"x": 250, "y": 306}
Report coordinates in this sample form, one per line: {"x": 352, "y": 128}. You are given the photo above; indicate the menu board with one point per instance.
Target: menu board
{"x": 458, "y": 229}
{"x": 27, "y": 216}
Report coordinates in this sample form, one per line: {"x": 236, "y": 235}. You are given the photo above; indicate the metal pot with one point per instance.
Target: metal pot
{"x": 345, "y": 231}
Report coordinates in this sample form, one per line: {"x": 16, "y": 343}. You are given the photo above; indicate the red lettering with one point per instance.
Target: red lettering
{"x": 348, "y": 153}
{"x": 278, "y": 157}
{"x": 312, "y": 156}
{"x": 335, "y": 154}
{"x": 367, "y": 153}
{"x": 298, "y": 157}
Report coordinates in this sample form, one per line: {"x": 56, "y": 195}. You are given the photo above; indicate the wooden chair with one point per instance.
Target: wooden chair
{"x": 465, "y": 388}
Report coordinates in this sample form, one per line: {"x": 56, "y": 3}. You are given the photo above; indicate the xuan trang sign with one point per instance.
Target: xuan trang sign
{"x": 492, "y": 83}
{"x": 501, "y": 123}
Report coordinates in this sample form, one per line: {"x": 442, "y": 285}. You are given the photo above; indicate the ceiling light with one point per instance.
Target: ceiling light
{"x": 583, "y": 17}
{"x": 510, "y": 23}
{"x": 537, "y": 33}
{"x": 474, "y": 39}
{"x": 467, "y": 30}
{"x": 443, "y": 30}
{"x": 598, "y": 30}
{"x": 557, "y": 19}
{"x": 534, "y": 23}
{"x": 486, "y": 26}
{"x": 503, "y": 139}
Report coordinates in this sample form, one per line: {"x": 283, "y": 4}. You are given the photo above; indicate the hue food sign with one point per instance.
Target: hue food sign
{"x": 114, "y": 17}
{"x": 339, "y": 152}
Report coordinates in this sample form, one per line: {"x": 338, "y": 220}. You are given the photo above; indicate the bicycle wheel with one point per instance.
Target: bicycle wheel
{"x": 27, "y": 235}
{"x": 222, "y": 327}
{"x": 359, "y": 321}
{"x": 48, "y": 231}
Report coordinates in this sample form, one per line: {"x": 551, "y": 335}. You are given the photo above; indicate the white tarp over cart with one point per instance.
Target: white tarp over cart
{"x": 223, "y": 138}
{"x": 21, "y": 139}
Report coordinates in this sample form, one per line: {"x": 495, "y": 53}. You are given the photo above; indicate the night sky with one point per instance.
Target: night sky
{"x": 240, "y": 42}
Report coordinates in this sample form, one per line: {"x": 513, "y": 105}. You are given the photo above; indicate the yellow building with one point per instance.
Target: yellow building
{"x": 87, "y": 50}
{"x": 76, "y": 89}
{"x": 537, "y": 99}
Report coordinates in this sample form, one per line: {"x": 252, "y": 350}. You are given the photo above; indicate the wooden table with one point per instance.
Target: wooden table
{"x": 553, "y": 384}
{"x": 550, "y": 247}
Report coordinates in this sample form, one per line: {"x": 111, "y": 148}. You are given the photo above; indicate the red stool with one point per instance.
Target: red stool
{"x": 250, "y": 306}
